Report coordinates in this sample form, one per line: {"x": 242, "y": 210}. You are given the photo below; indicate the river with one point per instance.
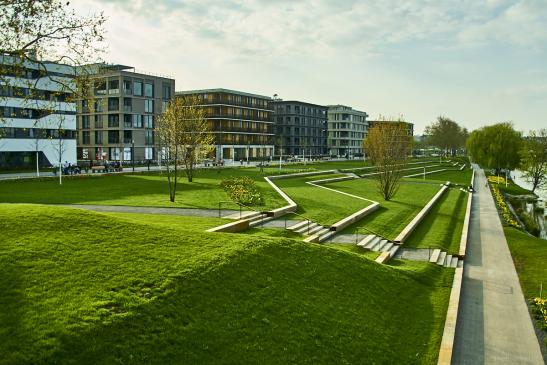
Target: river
{"x": 534, "y": 209}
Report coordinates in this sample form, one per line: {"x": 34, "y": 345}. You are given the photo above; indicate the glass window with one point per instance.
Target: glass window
{"x": 149, "y": 137}
{"x": 127, "y": 136}
{"x": 127, "y": 120}
{"x": 148, "y": 153}
{"x": 113, "y": 120}
{"x": 137, "y": 121}
{"x": 113, "y": 104}
{"x": 149, "y": 90}
{"x": 127, "y": 87}
{"x": 113, "y": 137}
{"x": 166, "y": 91}
{"x": 86, "y": 137}
{"x": 98, "y": 137}
{"x": 148, "y": 121}
{"x": 149, "y": 106}
{"x": 137, "y": 88}
{"x": 85, "y": 121}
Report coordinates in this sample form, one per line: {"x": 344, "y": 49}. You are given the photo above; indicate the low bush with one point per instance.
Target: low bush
{"x": 539, "y": 310}
{"x": 529, "y": 222}
{"x": 242, "y": 190}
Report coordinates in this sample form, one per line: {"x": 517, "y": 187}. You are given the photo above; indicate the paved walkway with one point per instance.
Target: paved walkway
{"x": 153, "y": 210}
{"x": 494, "y": 326}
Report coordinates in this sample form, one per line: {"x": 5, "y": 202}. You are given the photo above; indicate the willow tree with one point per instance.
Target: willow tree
{"x": 388, "y": 145}
{"x": 185, "y": 138}
{"x": 533, "y": 159}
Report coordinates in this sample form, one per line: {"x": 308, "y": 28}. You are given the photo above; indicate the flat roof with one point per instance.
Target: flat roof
{"x": 221, "y": 90}
{"x": 300, "y": 102}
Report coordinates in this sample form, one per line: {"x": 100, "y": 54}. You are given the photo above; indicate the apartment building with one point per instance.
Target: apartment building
{"x": 241, "y": 123}
{"x": 117, "y": 123}
{"x": 347, "y": 129}
{"x": 37, "y": 114}
{"x": 301, "y": 128}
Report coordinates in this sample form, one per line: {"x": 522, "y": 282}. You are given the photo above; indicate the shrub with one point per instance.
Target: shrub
{"x": 504, "y": 209}
{"x": 539, "y": 309}
{"x": 242, "y": 190}
{"x": 529, "y": 222}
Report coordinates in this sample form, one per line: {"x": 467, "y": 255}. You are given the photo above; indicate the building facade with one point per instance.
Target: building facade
{"x": 301, "y": 129}
{"x": 241, "y": 123}
{"x": 37, "y": 113}
{"x": 117, "y": 123}
{"x": 347, "y": 129}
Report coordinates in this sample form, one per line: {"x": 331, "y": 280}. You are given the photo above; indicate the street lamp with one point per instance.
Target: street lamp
{"x": 133, "y": 154}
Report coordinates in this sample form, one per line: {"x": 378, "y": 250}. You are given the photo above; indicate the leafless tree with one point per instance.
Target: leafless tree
{"x": 387, "y": 145}
{"x": 184, "y": 134}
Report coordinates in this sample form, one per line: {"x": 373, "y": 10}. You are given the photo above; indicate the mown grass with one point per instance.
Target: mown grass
{"x": 135, "y": 190}
{"x": 393, "y": 215}
{"x": 530, "y": 258}
{"x": 320, "y": 205}
{"x": 442, "y": 226}
{"x": 454, "y": 176}
{"x": 82, "y": 287}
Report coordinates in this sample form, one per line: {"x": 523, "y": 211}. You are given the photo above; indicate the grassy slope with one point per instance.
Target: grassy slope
{"x": 107, "y": 288}
{"x": 134, "y": 190}
{"x": 394, "y": 215}
{"x": 454, "y": 176}
{"x": 322, "y": 206}
{"x": 442, "y": 227}
{"x": 530, "y": 257}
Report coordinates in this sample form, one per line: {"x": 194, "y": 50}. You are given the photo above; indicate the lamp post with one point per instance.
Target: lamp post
{"x": 133, "y": 154}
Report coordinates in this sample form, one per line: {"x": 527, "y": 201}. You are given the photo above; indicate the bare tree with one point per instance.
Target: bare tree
{"x": 387, "y": 145}
{"x": 185, "y": 135}
{"x": 533, "y": 160}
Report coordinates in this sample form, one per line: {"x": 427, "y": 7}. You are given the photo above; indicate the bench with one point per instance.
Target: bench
{"x": 97, "y": 169}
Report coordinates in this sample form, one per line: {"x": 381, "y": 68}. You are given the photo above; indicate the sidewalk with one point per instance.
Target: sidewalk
{"x": 494, "y": 326}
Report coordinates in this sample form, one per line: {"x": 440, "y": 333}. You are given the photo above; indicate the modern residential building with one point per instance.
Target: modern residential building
{"x": 409, "y": 126}
{"x": 241, "y": 123}
{"x": 117, "y": 122}
{"x": 301, "y": 128}
{"x": 37, "y": 116}
{"x": 347, "y": 129}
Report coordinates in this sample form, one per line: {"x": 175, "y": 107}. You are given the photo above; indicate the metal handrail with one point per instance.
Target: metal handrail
{"x": 240, "y": 206}
{"x": 371, "y": 231}
{"x": 304, "y": 217}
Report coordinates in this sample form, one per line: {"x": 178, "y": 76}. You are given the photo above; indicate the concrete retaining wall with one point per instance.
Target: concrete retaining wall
{"x": 449, "y": 332}
{"x": 465, "y": 229}
{"x": 232, "y": 227}
{"x": 405, "y": 233}
{"x": 349, "y": 220}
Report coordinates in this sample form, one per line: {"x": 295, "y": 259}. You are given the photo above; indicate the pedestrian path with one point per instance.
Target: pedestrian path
{"x": 494, "y": 326}
{"x": 224, "y": 213}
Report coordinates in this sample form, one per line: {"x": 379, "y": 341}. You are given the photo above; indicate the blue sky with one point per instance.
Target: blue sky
{"x": 477, "y": 62}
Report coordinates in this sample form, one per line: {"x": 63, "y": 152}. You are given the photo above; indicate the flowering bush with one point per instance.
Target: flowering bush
{"x": 242, "y": 190}
{"x": 503, "y": 208}
{"x": 539, "y": 309}
{"x": 496, "y": 180}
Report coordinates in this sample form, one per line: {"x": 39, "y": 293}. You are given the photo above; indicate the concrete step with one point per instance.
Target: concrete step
{"x": 383, "y": 258}
{"x": 373, "y": 243}
{"x": 315, "y": 229}
{"x": 379, "y": 246}
{"x": 258, "y": 217}
{"x": 305, "y": 228}
{"x": 454, "y": 262}
{"x": 325, "y": 235}
{"x": 393, "y": 250}
{"x": 442, "y": 258}
{"x": 460, "y": 263}
{"x": 448, "y": 261}
{"x": 366, "y": 240}
{"x": 297, "y": 225}
{"x": 260, "y": 221}
{"x": 387, "y": 246}
{"x": 435, "y": 255}
{"x": 318, "y": 236}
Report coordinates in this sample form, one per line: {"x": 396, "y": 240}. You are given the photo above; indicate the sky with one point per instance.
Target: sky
{"x": 476, "y": 62}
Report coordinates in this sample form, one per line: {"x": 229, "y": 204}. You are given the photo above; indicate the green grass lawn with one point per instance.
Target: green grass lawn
{"x": 135, "y": 190}
{"x": 530, "y": 257}
{"x": 454, "y": 176}
{"x": 393, "y": 215}
{"x": 82, "y": 287}
{"x": 320, "y": 205}
{"x": 442, "y": 227}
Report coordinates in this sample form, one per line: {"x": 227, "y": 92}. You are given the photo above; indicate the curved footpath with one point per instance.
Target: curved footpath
{"x": 493, "y": 326}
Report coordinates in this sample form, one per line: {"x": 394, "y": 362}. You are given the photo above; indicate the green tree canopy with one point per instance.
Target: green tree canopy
{"x": 533, "y": 161}
{"x": 495, "y": 146}
{"x": 446, "y": 134}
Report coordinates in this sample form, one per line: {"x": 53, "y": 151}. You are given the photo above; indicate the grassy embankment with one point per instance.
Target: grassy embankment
{"x": 82, "y": 287}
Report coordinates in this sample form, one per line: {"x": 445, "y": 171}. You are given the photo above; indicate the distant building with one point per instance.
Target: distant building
{"x": 117, "y": 123}
{"x": 410, "y": 126}
{"x": 347, "y": 128}
{"x": 37, "y": 115}
{"x": 241, "y": 123}
{"x": 301, "y": 128}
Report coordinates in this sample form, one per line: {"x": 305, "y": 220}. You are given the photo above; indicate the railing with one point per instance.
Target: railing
{"x": 303, "y": 217}
{"x": 370, "y": 231}
{"x": 241, "y": 205}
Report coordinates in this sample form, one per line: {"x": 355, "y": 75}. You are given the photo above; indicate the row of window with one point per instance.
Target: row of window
{"x": 26, "y": 113}
{"x": 32, "y": 94}
{"x": 308, "y": 122}
{"x": 296, "y": 131}
{"x": 132, "y": 87}
{"x": 129, "y": 121}
{"x": 220, "y": 125}
{"x": 113, "y": 105}
{"x": 234, "y": 99}
{"x": 22, "y": 72}
{"x": 297, "y": 109}
{"x": 354, "y": 135}
{"x": 349, "y": 126}
{"x": 38, "y": 133}
{"x": 115, "y": 153}
{"x": 113, "y": 137}
{"x": 230, "y": 112}
{"x": 349, "y": 117}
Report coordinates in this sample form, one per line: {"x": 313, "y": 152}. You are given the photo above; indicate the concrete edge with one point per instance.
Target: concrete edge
{"x": 343, "y": 223}
{"x": 449, "y": 332}
{"x": 334, "y": 179}
{"x": 300, "y": 174}
{"x": 405, "y": 233}
{"x": 232, "y": 227}
{"x": 383, "y": 257}
{"x": 466, "y": 221}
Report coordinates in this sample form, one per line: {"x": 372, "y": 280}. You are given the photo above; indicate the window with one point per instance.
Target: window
{"x": 149, "y": 137}
{"x": 114, "y": 153}
{"x": 149, "y": 106}
{"x": 137, "y": 121}
{"x": 148, "y": 121}
{"x": 98, "y": 121}
{"x": 113, "y": 104}
{"x": 127, "y": 120}
{"x": 149, "y": 90}
{"x": 137, "y": 88}
{"x": 148, "y": 153}
{"x": 127, "y": 153}
{"x": 100, "y": 88}
{"x": 98, "y": 106}
{"x": 127, "y": 136}
{"x": 86, "y": 137}
{"x": 98, "y": 137}
{"x": 85, "y": 121}
{"x": 114, "y": 87}
{"x": 127, "y": 104}
{"x": 127, "y": 87}
{"x": 113, "y": 121}
{"x": 113, "y": 137}
{"x": 166, "y": 91}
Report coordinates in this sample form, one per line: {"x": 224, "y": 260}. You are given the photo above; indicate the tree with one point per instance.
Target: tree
{"x": 185, "y": 136}
{"x": 533, "y": 158}
{"x": 446, "y": 134}
{"x": 496, "y": 146}
{"x": 387, "y": 145}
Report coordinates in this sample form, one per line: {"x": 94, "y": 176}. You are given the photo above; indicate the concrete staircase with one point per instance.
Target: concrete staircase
{"x": 257, "y": 218}
{"x": 378, "y": 244}
{"x": 442, "y": 258}
{"x": 314, "y": 231}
